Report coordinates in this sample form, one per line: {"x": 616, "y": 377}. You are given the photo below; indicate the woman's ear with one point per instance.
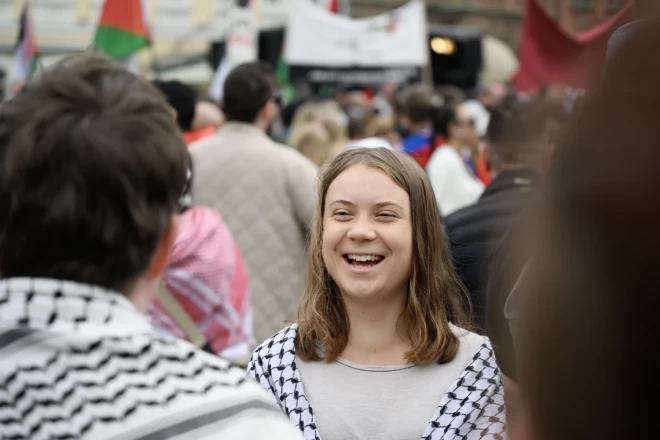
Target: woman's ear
{"x": 163, "y": 250}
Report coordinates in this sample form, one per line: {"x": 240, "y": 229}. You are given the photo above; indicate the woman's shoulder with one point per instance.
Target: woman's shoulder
{"x": 280, "y": 343}
{"x": 472, "y": 347}
{"x": 468, "y": 337}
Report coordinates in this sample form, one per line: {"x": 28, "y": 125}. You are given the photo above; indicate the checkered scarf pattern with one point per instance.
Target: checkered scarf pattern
{"x": 473, "y": 408}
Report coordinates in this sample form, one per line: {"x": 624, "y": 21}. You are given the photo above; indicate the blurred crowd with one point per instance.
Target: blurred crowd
{"x": 484, "y": 151}
{"x": 482, "y": 259}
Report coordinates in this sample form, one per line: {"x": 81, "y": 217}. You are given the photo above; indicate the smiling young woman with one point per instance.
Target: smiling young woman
{"x": 380, "y": 340}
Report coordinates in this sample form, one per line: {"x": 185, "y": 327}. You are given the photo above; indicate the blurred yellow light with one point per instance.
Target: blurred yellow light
{"x": 443, "y": 46}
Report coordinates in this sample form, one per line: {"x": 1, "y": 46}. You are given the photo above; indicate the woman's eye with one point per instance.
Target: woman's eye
{"x": 386, "y": 215}
{"x": 341, "y": 214}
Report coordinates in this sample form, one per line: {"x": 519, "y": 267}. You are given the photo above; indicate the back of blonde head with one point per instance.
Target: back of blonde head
{"x": 313, "y": 141}
{"x": 305, "y": 124}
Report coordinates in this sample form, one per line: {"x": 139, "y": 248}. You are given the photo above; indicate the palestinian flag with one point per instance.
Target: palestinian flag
{"x": 122, "y": 29}
{"x": 25, "y": 54}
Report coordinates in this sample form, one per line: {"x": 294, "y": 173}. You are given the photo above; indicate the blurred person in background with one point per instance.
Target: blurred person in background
{"x": 182, "y": 99}
{"x": 303, "y": 95}
{"x": 450, "y": 95}
{"x": 596, "y": 270}
{"x": 93, "y": 167}
{"x": 379, "y": 132}
{"x": 480, "y": 107}
{"x": 400, "y": 121}
{"x": 304, "y": 114}
{"x": 593, "y": 268}
{"x": 416, "y": 115}
{"x": 486, "y": 97}
{"x": 335, "y": 122}
{"x": 357, "y": 104}
{"x": 339, "y": 95}
{"x": 453, "y": 181}
{"x": 516, "y": 150}
{"x": 208, "y": 119}
{"x": 356, "y": 128}
{"x": 557, "y": 101}
{"x": 592, "y": 274}
{"x": 384, "y": 99}
{"x": 330, "y": 116}
{"x": 313, "y": 141}
{"x": 264, "y": 190}
{"x": 206, "y": 277}
{"x": 359, "y": 110}
{"x": 204, "y": 296}
{"x": 380, "y": 348}
{"x": 507, "y": 265}
{"x": 196, "y": 119}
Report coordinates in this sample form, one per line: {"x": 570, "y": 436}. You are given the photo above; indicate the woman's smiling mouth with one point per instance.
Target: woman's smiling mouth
{"x": 362, "y": 262}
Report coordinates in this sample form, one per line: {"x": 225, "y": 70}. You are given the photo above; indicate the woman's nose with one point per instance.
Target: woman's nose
{"x": 362, "y": 230}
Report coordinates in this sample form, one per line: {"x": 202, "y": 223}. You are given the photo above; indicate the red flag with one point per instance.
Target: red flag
{"x": 333, "y": 6}
{"x": 548, "y": 54}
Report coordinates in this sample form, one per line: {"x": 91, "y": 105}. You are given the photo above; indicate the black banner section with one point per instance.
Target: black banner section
{"x": 354, "y": 76}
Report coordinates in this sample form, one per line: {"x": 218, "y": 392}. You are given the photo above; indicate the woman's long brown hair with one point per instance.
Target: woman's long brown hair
{"x": 435, "y": 294}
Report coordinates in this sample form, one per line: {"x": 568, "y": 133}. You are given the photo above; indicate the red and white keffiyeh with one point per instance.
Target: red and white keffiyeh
{"x": 207, "y": 276}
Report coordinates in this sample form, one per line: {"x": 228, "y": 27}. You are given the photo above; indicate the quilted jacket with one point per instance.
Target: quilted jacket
{"x": 265, "y": 193}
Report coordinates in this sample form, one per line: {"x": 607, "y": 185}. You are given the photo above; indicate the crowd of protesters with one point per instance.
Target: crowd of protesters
{"x": 414, "y": 262}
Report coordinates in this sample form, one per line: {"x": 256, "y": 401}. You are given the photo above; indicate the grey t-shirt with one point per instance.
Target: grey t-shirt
{"x": 387, "y": 403}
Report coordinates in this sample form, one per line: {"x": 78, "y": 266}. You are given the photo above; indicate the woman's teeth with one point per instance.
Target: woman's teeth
{"x": 364, "y": 258}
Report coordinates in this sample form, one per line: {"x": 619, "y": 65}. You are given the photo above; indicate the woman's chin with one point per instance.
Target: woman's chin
{"x": 363, "y": 293}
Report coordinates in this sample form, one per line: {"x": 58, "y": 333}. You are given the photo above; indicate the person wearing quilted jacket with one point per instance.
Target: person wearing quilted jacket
{"x": 264, "y": 191}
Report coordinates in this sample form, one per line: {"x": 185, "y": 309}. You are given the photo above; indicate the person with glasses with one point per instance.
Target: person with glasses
{"x": 454, "y": 183}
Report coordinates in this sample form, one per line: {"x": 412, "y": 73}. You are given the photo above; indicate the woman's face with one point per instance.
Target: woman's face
{"x": 367, "y": 234}
{"x": 463, "y": 128}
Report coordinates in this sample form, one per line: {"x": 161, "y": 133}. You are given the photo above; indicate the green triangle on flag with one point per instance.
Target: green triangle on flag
{"x": 122, "y": 29}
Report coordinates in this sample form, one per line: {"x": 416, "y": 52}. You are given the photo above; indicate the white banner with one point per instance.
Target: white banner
{"x": 241, "y": 44}
{"x": 316, "y": 37}
{"x": 273, "y": 13}
{"x": 243, "y": 36}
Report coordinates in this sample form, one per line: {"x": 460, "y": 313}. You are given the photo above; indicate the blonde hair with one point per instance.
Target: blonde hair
{"x": 305, "y": 114}
{"x": 330, "y": 116}
{"x": 313, "y": 141}
{"x": 379, "y": 126}
{"x": 435, "y": 294}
